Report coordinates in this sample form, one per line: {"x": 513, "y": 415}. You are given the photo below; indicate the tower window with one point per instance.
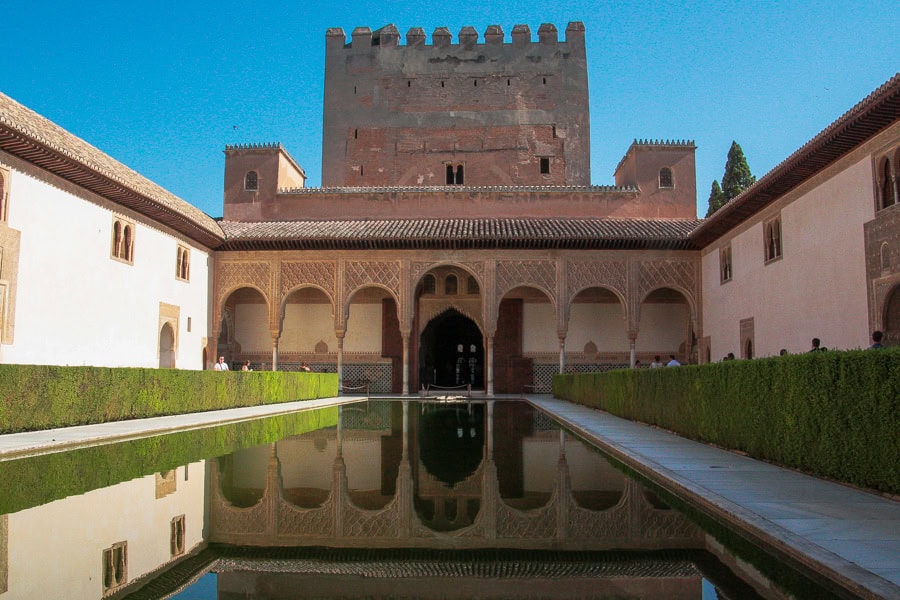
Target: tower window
{"x": 545, "y": 166}
{"x": 455, "y": 175}
{"x": 251, "y": 181}
{"x": 725, "y": 264}
{"x": 665, "y": 178}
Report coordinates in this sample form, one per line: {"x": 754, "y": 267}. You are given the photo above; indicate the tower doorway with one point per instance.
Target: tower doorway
{"x": 451, "y": 352}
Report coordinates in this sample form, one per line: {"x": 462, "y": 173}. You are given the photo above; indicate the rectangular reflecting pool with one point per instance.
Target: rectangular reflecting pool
{"x": 382, "y": 499}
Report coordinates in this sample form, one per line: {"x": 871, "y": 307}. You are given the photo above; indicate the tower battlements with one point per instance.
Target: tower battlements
{"x": 364, "y": 38}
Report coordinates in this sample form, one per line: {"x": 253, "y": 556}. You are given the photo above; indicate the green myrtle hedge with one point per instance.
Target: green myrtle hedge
{"x": 35, "y": 397}
{"x": 834, "y": 414}
{"x": 47, "y": 477}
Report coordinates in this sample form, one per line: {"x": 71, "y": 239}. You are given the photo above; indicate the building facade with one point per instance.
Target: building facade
{"x": 457, "y": 240}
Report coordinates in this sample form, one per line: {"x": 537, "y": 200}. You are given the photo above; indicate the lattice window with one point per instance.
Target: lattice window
{"x": 251, "y": 181}
{"x": 115, "y": 566}
{"x": 122, "y": 247}
{"x": 772, "y": 230}
{"x": 665, "y": 178}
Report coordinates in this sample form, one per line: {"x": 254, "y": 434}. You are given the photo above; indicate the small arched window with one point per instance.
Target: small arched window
{"x": 122, "y": 240}
{"x": 127, "y": 240}
{"x": 888, "y": 197}
{"x": 451, "y": 285}
{"x": 665, "y": 178}
{"x": 183, "y": 264}
{"x": 885, "y": 256}
{"x": 455, "y": 175}
{"x": 773, "y": 239}
{"x": 251, "y": 181}
{"x": 725, "y": 264}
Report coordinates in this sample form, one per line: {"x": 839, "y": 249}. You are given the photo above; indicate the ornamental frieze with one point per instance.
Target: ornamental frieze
{"x": 539, "y": 273}
{"x": 358, "y": 274}
{"x": 296, "y": 274}
{"x": 417, "y": 269}
{"x": 596, "y": 273}
{"x": 233, "y": 275}
{"x": 667, "y": 273}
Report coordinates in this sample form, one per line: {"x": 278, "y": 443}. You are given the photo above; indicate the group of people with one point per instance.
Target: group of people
{"x": 657, "y": 362}
{"x": 221, "y": 365}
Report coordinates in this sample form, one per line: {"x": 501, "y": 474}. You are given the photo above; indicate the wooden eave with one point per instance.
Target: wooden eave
{"x": 874, "y": 114}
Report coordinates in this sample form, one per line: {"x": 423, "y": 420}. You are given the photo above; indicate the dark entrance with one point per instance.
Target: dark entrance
{"x": 451, "y": 352}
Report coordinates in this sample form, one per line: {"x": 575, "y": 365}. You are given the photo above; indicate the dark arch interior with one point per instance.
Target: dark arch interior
{"x": 451, "y": 441}
{"x": 440, "y": 360}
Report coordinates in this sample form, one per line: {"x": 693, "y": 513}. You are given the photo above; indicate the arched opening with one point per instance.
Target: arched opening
{"x": 451, "y": 352}
{"x": 373, "y": 346}
{"x": 244, "y": 330}
{"x": 665, "y": 326}
{"x": 166, "y": 347}
{"x": 526, "y": 344}
{"x": 307, "y": 326}
{"x": 748, "y": 349}
{"x": 892, "y": 318}
{"x": 597, "y": 317}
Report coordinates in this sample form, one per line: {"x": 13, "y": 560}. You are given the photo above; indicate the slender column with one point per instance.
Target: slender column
{"x": 489, "y": 362}
{"x": 632, "y": 338}
{"x": 340, "y": 362}
{"x": 275, "y": 336}
{"x": 562, "y": 354}
{"x": 405, "y": 337}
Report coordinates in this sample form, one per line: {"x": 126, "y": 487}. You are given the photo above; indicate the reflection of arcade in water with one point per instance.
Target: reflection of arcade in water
{"x": 418, "y": 474}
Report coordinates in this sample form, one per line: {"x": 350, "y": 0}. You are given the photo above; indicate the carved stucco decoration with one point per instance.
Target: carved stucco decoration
{"x": 358, "y": 274}
{"x": 319, "y": 521}
{"x": 319, "y": 274}
{"x": 541, "y": 523}
{"x": 234, "y": 275}
{"x": 536, "y": 273}
{"x": 611, "y": 274}
{"x": 429, "y": 313}
{"x": 678, "y": 274}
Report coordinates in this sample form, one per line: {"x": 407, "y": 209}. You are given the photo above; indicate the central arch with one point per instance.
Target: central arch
{"x": 451, "y": 351}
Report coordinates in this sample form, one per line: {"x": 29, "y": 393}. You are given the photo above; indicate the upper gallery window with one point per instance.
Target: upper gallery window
{"x": 887, "y": 189}
{"x": 772, "y": 234}
{"x": 725, "y": 271}
{"x": 251, "y": 181}
{"x": 122, "y": 240}
{"x": 183, "y": 263}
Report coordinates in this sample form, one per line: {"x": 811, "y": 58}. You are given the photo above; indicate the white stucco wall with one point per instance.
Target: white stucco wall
{"x": 56, "y": 550}
{"x": 305, "y": 325}
{"x": 77, "y": 306}
{"x": 662, "y": 328}
{"x": 603, "y": 324}
{"x": 539, "y": 328}
{"x": 817, "y": 288}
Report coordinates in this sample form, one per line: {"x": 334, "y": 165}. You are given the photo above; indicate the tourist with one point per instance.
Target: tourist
{"x": 637, "y": 364}
{"x": 673, "y": 362}
{"x": 246, "y": 366}
{"x": 657, "y": 363}
{"x": 816, "y": 347}
{"x": 221, "y": 365}
{"x": 305, "y": 367}
{"x": 783, "y": 352}
{"x": 877, "y": 336}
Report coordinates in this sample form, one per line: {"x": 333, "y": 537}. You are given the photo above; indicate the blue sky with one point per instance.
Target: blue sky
{"x": 160, "y": 86}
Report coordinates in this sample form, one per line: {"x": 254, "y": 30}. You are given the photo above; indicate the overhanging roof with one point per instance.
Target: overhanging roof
{"x": 878, "y": 111}
{"x": 451, "y": 234}
{"x": 35, "y": 139}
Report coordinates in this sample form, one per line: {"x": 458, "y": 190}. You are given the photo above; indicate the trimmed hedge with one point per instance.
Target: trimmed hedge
{"x": 49, "y": 477}
{"x": 834, "y": 414}
{"x": 36, "y": 397}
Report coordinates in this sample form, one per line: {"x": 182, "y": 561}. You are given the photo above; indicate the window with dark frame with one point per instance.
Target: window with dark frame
{"x": 665, "y": 178}
{"x": 772, "y": 231}
{"x": 545, "y": 165}
{"x": 725, "y": 269}
{"x": 251, "y": 181}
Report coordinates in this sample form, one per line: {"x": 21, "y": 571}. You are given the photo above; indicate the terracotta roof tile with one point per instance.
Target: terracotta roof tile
{"x": 459, "y": 233}
{"x": 38, "y": 140}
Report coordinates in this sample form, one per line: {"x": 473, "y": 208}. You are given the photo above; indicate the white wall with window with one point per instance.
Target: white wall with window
{"x": 76, "y": 302}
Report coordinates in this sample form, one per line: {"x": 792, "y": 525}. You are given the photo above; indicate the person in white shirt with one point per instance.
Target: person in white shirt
{"x": 221, "y": 365}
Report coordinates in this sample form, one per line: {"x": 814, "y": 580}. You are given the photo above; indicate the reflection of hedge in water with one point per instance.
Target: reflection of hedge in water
{"x": 834, "y": 414}
{"x": 41, "y": 479}
{"x": 35, "y": 397}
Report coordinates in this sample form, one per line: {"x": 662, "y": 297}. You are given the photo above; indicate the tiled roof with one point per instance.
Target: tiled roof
{"x": 878, "y": 111}
{"x": 459, "y": 234}
{"x": 28, "y": 135}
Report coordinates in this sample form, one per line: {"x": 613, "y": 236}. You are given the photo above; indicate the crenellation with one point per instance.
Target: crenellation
{"x": 468, "y": 38}
{"x": 387, "y": 37}
{"x": 493, "y": 35}
{"x": 415, "y": 37}
{"x": 521, "y": 35}
{"x": 547, "y": 34}
{"x": 441, "y": 37}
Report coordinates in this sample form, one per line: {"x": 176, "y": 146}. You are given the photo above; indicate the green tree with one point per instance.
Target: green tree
{"x": 716, "y": 198}
{"x": 737, "y": 175}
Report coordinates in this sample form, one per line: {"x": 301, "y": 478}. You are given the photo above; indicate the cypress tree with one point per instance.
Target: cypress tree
{"x": 737, "y": 175}
{"x": 716, "y": 198}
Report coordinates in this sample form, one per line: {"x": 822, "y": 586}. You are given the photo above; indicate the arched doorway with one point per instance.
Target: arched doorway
{"x": 665, "y": 326}
{"x": 166, "y": 347}
{"x": 451, "y": 351}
